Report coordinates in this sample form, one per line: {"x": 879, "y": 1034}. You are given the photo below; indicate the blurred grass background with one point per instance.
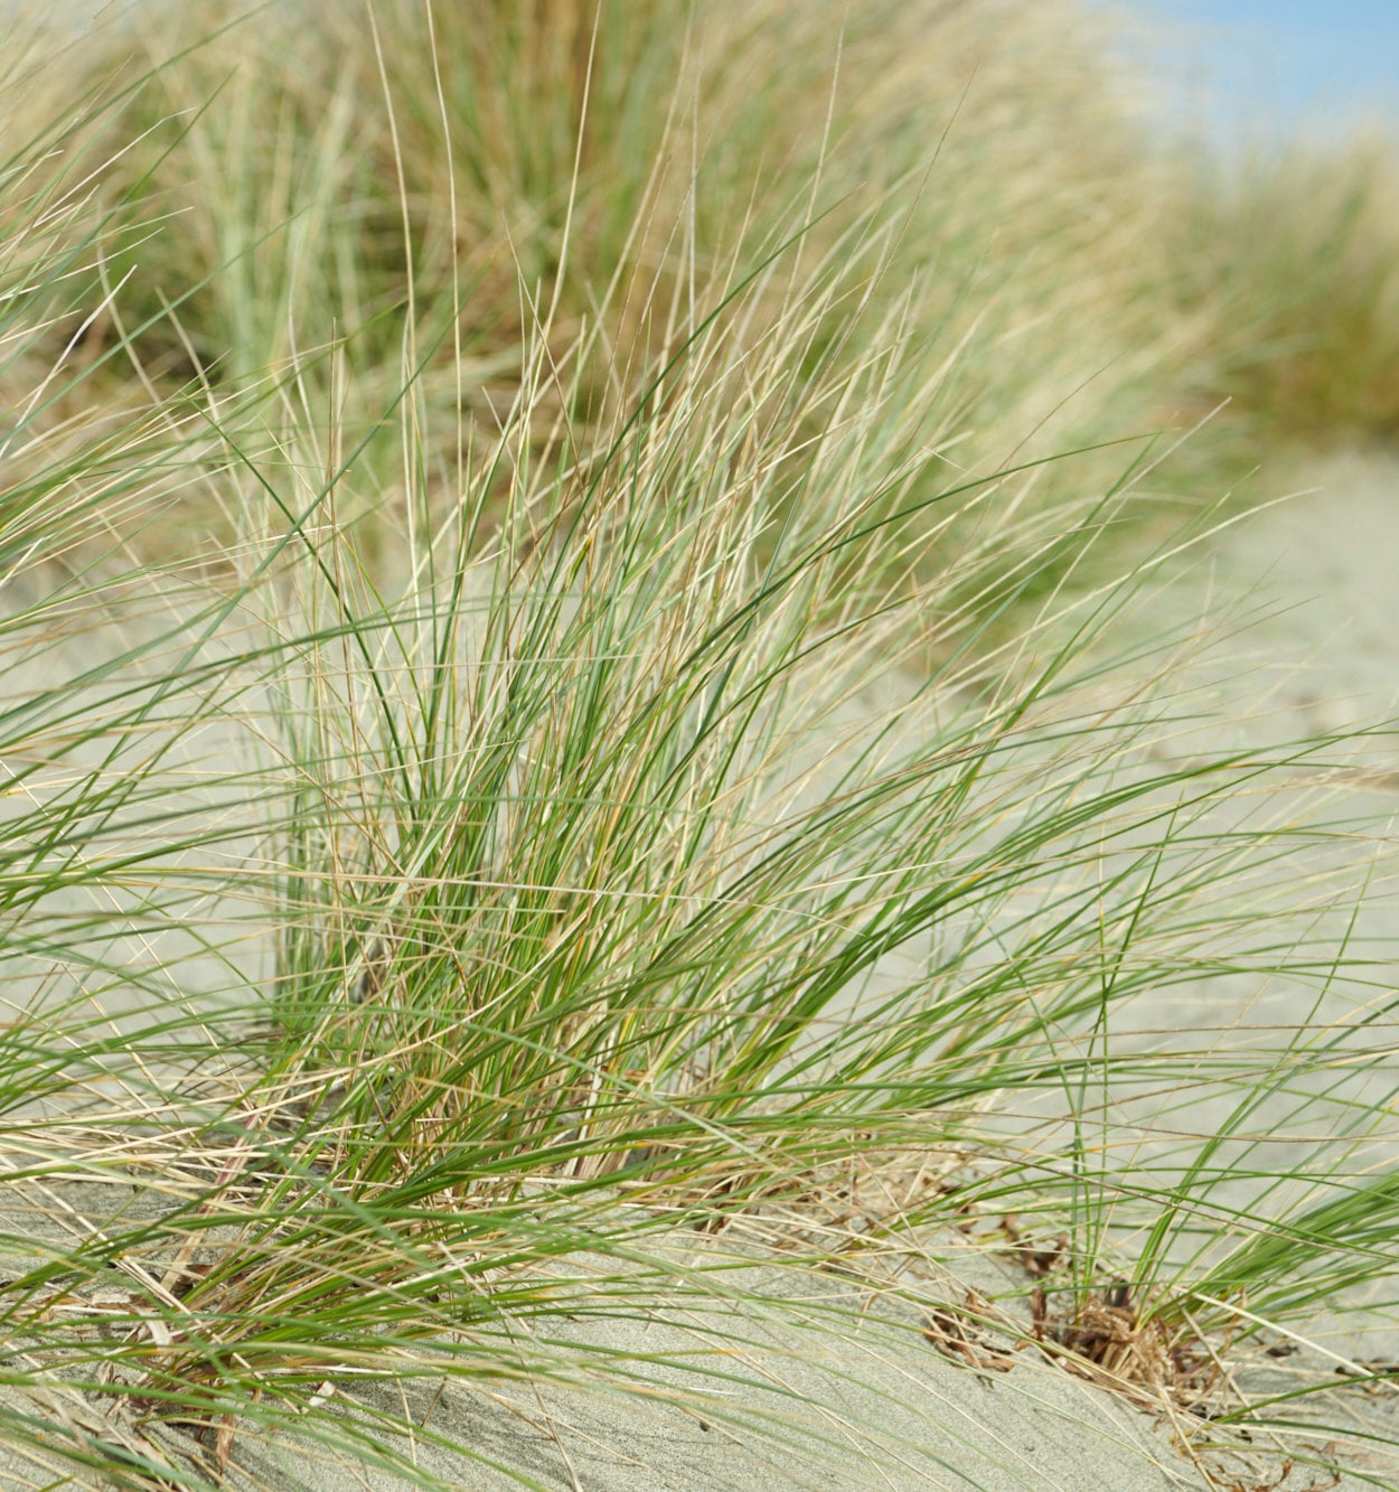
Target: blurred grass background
{"x": 300, "y": 179}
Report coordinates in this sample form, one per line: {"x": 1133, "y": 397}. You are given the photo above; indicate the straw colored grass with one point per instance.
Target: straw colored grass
{"x": 552, "y": 703}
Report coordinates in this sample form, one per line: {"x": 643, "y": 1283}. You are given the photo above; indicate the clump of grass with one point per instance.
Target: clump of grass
{"x": 1298, "y": 254}
{"x": 425, "y": 170}
{"x": 632, "y": 842}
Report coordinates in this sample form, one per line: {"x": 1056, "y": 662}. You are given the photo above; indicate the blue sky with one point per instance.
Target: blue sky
{"x": 1275, "y": 65}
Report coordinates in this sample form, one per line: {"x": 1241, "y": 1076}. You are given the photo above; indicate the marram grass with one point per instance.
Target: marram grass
{"x": 667, "y": 795}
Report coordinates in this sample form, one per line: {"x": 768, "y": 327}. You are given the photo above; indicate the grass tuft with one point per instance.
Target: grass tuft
{"x": 570, "y": 764}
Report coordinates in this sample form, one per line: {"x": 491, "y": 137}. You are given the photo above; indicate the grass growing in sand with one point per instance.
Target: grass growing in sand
{"x": 550, "y": 708}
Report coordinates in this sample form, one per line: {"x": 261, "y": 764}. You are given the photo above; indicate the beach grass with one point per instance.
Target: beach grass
{"x": 568, "y": 688}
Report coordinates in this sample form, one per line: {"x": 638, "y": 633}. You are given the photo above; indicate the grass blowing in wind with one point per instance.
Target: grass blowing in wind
{"x": 565, "y": 791}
